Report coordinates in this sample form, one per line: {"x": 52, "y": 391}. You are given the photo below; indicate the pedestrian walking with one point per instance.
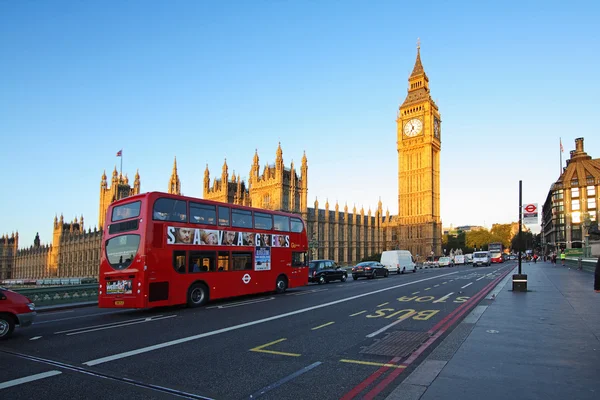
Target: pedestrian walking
{"x": 563, "y": 256}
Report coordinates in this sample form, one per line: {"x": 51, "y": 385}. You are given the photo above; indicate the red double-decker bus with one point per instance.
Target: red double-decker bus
{"x": 160, "y": 249}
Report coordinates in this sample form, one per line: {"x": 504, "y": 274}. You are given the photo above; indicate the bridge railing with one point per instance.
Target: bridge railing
{"x": 57, "y": 295}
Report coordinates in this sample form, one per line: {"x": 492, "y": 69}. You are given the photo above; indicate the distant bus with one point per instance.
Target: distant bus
{"x": 160, "y": 249}
{"x": 496, "y": 249}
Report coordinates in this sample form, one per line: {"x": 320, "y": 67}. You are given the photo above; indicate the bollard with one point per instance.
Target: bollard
{"x": 519, "y": 282}
{"x": 579, "y": 264}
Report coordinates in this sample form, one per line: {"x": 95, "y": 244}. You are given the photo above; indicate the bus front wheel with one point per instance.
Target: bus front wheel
{"x": 281, "y": 284}
{"x": 197, "y": 295}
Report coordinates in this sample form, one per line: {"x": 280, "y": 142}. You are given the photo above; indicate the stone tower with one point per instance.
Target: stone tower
{"x": 278, "y": 187}
{"x": 118, "y": 189}
{"x": 419, "y": 146}
{"x": 174, "y": 182}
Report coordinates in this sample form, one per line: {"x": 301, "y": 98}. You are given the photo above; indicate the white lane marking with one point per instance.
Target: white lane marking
{"x": 59, "y": 312}
{"x": 385, "y": 328}
{"x": 84, "y": 316}
{"x": 468, "y": 284}
{"x": 119, "y": 326}
{"x": 247, "y": 324}
{"x": 35, "y": 338}
{"x": 29, "y": 378}
{"x": 302, "y": 293}
{"x": 478, "y": 279}
{"x": 107, "y": 324}
{"x": 241, "y": 303}
{"x": 443, "y": 299}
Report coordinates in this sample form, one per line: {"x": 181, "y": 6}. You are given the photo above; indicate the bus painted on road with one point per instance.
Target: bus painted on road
{"x": 160, "y": 249}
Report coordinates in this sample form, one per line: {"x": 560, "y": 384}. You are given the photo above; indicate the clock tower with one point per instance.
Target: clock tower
{"x": 419, "y": 146}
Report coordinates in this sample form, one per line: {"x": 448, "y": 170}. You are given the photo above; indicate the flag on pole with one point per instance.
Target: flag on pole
{"x": 120, "y": 152}
{"x": 562, "y": 150}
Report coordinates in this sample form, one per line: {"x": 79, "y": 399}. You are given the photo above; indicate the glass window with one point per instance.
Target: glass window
{"x": 297, "y": 225}
{"x": 591, "y": 203}
{"x": 121, "y": 250}
{"x": 576, "y": 217}
{"x": 223, "y": 261}
{"x": 179, "y": 261}
{"x": 241, "y": 218}
{"x": 223, "y": 216}
{"x": 203, "y": 214}
{"x": 126, "y": 211}
{"x": 575, "y": 205}
{"x": 241, "y": 260}
{"x": 574, "y": 192}
{"x": 592, "y": 215}
{"x": 202, "y": 261}
{"x": 298, "y": 259}
{"x": 281, "y": 223}
{"x": 263, "y": 221}
{"x": 170, "y": 210}
{"x": 591, "y": 190}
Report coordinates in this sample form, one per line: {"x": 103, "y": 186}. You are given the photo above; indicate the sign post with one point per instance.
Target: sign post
{"x": 520, "y": 280}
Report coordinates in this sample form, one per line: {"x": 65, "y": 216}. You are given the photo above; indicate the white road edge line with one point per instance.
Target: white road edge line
{"x": 30, "y": 378}
{"x": 468, "y": 284}
{"x": 241, "y": 303}
{"x": 247, "y": 324}
{"x": 385, "y": 328}
{"x": 119, "y": 326}
{"x": 108, "y": 324}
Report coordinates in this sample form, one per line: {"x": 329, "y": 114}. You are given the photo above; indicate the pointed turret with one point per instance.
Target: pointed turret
{"x": 174, "y": 182}
{"x": 255, "y": 160}
{"x": 136, "y": 183}
{"x": 279, "y": 158}
{"x": 418, "y": 68}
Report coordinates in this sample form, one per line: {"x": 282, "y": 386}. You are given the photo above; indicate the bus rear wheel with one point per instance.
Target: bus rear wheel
{"x": 197, "y": 295}
{"x": 281, "y": 284}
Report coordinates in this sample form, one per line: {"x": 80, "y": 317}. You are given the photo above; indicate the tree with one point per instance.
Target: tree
{"x": 502, "y": 233}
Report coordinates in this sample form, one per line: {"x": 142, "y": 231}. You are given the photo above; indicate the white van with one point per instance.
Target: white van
{"x": 482, "y": 258}
{"x": 399, "y": 261}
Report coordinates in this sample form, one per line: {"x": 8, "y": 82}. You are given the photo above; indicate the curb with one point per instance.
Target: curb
{"x": 66, "y": 306}
{"x": 419, "y": 380}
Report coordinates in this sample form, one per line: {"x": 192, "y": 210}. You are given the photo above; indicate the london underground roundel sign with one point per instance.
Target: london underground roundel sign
{"x": 530, "y": 208}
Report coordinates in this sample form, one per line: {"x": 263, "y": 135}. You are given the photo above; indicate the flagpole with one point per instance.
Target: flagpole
{"x": 559, "y": 150}
{"x": 122, "y": 162}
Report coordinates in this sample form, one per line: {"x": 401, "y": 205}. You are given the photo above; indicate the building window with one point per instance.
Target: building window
{"x": 591, "y": 203}
{"x": 591, "y": 191}
{"x": 574, "y": 192}
{"x": 575, "y": 205}
{"x": 576, "y": 217}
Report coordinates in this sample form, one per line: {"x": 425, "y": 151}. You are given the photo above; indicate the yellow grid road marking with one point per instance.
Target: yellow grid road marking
{"x": 416, "y": 292}
{"x": 322, "y": 326}
{"x": 373, "y": 363}
{"x": 428, "y": 288}
{"x": 260, "y": 349}
{"x": 383, "y": 304}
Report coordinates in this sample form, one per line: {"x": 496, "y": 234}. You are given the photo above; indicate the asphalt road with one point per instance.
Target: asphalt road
{"x": 357, "y": 339}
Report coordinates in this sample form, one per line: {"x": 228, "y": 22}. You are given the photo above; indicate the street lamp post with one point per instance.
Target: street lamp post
{"x": 587, "y": 222}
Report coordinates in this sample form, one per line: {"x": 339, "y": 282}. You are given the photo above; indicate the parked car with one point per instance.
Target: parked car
{"x": 323, "y": 271}
{"x": 15, "y": 309}
{"x": 445, "y": 262}
{"x": 369, "y": 270}
{"x": 398, "y": 261}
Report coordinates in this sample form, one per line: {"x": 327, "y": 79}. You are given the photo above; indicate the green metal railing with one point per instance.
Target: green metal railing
{"x": 57, "y": 295}
{"x": 588, "y": 264}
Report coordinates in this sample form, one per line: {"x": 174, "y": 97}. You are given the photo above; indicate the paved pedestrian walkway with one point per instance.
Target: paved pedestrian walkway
{"x": 542, "y": 344}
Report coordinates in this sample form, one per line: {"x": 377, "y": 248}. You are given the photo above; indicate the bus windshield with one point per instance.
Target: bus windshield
{"x": 121, "y": 250}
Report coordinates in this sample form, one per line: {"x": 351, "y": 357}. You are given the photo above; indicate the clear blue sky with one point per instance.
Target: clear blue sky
{"x": 207, "y": 80}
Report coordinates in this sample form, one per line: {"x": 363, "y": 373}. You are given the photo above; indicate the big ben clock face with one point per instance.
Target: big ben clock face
{"x": 413, "y": 127}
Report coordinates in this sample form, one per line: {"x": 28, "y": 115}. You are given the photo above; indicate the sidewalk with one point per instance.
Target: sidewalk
{"x": 543, "y": 344}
